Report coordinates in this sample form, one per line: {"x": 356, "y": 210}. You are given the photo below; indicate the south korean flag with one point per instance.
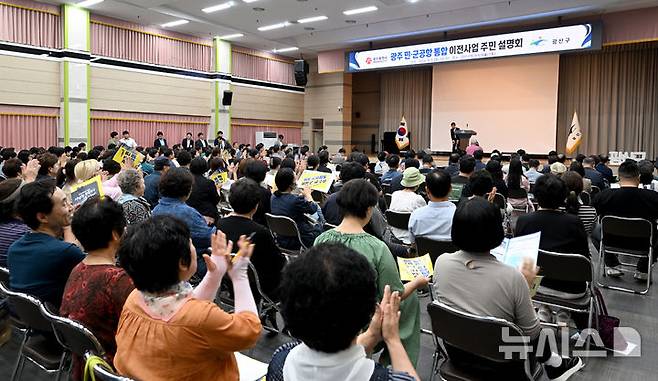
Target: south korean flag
{"x": 402, "y": 136}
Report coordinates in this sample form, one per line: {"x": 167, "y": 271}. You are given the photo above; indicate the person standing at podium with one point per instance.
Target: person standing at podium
{"x": 453, "y": 137}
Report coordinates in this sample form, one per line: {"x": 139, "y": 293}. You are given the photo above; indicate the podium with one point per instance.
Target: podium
{"x": 464, "y": 137}
{"x": 388, "y": 143}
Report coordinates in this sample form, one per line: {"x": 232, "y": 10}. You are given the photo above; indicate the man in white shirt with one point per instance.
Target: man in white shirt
{"x": 201, "y": 142}
{"x": 381, "y": 167}
{"x": 407, "y": 200}
{"x": 128, "y": 141}
{"x": 434, "y": 221}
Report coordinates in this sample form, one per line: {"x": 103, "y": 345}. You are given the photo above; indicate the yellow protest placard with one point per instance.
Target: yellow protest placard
{"x": 316, "y": 180}
{"x": 86, "y": 190}
{"x": 124, "y": 152}
{"x": 219, "y": 178}
{"x": 412, "y": 268}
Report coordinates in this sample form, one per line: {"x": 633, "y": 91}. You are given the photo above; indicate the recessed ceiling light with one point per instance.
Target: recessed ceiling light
{"x": 312, "y": 19}
{"x": 230, "y": 36}
{"x": 291, "y": 49}
{"x": 249, "y": 1}
{"x": 350, "y": 12}
{"x": 219, "y": 7}
{"x": 174, "y": 23}
{"x": 88, "y": 3}
{"x": 274, "y": 26}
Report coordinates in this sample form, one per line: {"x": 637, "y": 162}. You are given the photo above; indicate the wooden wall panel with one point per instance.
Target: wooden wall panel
{"x": 29, "y": 81}
{"x": 122, "y": 90}
{"x": 264, "y": 104}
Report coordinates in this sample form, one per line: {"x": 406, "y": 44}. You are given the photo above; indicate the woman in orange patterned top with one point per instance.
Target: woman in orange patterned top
{"x": 170, "y": 331}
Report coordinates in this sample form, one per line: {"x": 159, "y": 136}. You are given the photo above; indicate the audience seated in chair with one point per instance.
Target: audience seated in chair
{"x": 204, "y": 196}
{"x": 135, "y": 207}
{"x": 577, "y": 167}
{"x": 647, "y": 180}
{"x": 329, "y": 324}
{"x": 496, "y": 171}
{"x": 12, "y": 227}
{"x": 40, "y": 262}
{"x": 561, "y": 233}
{"x": 324, "y": 161}
{"x": 396, "y": 183}
{"x": 407, "y": 200}
{"x": 428, "y": 164}
{"x": 362, "y": 159}
{"x": 603, "y": 169}
{"x": 382, "y": 166}
{"x": 357, "y": 200}
{"x": 627, "y": 201}
{"x": 574, "y": 205}
{"x": 175, "y": 188}
{"x": 257, "y": 170}
{"x": 284, "y": 203}
{"x": 434, "y": 221}
{"x": 473, "y": 281}
{"x": 453, "y": 165}
{"x": 595, "y": 176}
{"x": 377, "y": 226}
{"x": 532, "y": 174}
{"x": 170, "y": 331}
{"x": 151, "y": 182}
{"x": 466, "y": 169}
{"x": 97, "y": 289}
{"x": 267, "y": 258}
{"x": 518, "y": 187}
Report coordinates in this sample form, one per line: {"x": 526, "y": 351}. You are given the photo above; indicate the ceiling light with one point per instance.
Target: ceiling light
{"x": 351, "y": 12}
{"x": 312, "y": 19}
{"x": 274, "y": 26}
{"x": 229, "y": 36}
{"x": 249, "y": 1}
{"x": 88, "y": 3}
{"x": 219, "y": 7}
{"x": 291, "y": 49}
{"x": 174, "y": 23}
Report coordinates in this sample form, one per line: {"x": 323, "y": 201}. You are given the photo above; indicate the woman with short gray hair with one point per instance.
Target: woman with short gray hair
{"x": 135, "y": 207}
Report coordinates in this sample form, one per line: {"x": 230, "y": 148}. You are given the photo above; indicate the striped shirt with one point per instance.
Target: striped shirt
{"x": 10, "y": 232}
{"x": 587, "y": 215}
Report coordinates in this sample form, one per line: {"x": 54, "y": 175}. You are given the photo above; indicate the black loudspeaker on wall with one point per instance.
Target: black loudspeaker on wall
{"x": 301, "y": 71}
{"x": 227, "y": 98}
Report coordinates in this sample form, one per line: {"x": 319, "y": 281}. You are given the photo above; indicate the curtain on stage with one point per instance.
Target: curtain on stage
{"x": 615, "y": 93}
{"x": 408, "y": 93}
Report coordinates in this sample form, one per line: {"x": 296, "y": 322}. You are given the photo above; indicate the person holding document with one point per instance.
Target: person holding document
{"x": 474, "y": 281}
{"x": 560, "y": 232}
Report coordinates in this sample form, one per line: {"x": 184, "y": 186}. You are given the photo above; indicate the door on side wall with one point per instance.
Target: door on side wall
{"x": 317, "y": 134}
